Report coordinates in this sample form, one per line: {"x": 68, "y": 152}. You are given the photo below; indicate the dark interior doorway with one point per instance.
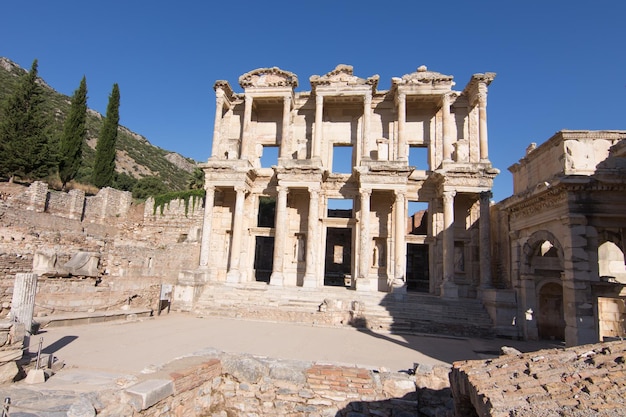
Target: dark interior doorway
{"x": 551, "y": 321}
{"x": 337, "y": 267}
{"x": 263, "y": 258}
{"x": 417, "y": 276}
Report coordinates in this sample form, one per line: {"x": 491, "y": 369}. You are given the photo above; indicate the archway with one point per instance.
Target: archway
{"x": 550, "y": 318}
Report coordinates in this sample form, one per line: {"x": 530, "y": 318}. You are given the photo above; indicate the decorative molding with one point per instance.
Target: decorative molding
{"x": 268, "y": 77}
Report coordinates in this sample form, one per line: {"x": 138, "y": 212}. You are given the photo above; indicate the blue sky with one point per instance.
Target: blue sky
{"x": 560, "y": 64}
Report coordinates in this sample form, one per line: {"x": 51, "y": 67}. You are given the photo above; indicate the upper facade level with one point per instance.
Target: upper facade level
{"x": 342, "y": 110}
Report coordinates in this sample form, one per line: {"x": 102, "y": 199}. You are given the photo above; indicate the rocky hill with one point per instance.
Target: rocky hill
{"x": 136, "y": 156}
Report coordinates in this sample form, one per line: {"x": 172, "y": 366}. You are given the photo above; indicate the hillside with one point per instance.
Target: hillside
{"x": 135, "y": 157}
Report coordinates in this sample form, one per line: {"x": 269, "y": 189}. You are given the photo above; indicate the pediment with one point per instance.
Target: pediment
{"x": 343, "y": 76}
{"x": 268, "y": 77}
{"x": 424, "y": 77}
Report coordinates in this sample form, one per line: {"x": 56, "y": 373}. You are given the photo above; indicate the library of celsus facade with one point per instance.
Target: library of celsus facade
{"x": 333, "y": 207}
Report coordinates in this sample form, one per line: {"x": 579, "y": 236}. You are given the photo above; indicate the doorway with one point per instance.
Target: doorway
{"x": 417, "y": 268}
{"x": 263, "y": 258}
{"x": 338, "y": 263}
{"x": 550, "y": 321}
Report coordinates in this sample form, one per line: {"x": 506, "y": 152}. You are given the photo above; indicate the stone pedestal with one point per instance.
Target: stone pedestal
{"x": 23, "y": 301}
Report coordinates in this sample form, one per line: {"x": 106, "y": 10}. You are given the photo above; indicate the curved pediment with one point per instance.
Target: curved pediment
{"x": 342, "y": 75}
{"x": 268, "y": 77}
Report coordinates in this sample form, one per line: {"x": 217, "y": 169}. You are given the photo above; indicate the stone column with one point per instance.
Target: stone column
{"x": 362, "y": 282}
{"x": 285, "y": 141}
{"x": 447, "y": 128}
{"x": 482, "y": 125}
{"x": 402, "y": 155}
{"x": 207, "y": 225}
{"x": 217, "y": 125}
{"x": 280, "y": 236}
{"x": 485, "y": 240}
{"x": 245, "y": 134}
{"x": 319, "y": 122}
{"x": 23, "y": 301}
{"x": 310, "y": 277}
{"x": 234, "y": 274}
{"x": 448, "y": 288}
{"x": 400, "y": 244}
{"x": 367, "y": 115}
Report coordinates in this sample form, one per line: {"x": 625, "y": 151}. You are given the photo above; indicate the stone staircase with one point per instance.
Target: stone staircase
{"x": 332, "y": 306}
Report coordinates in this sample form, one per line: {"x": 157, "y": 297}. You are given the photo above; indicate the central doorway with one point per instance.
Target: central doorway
{"x": 417, "y": 273}
{"x": 263, "y": 258}
{"x": 337, "y": 267}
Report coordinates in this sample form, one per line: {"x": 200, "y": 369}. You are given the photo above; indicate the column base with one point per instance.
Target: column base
{"x": 449, "y": 290}
{"x": 233, "y": 276}
{"x": 365, "y": 284}
{"x": 398, "y": 289}
{"x": 309, "y": 281}
{"x": 277, "y": 279}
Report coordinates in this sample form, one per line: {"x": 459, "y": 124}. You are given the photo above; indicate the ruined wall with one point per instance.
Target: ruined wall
{"x": 137, "y": 252}
{"x": 230, "y": 384}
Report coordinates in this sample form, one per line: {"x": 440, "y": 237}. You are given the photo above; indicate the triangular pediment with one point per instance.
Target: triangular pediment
{"x": 424, "y": 77}
{"x": 342, "y": 76}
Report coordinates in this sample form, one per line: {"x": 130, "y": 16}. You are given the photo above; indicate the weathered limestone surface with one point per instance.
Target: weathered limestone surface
{"x": 588, "y": 380}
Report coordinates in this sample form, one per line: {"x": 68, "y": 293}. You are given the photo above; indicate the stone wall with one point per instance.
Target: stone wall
{"x": 587, "y": 380}
{"x": 221, "y": 384}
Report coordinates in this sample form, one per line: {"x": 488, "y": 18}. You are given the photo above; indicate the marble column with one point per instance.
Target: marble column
{"x": 485, "y": 240}
{"x": 400, "y": 243}
{"x": 319, "y": 126}
{"x": 207, "y": 226}
{"x": 245, "y": 134}
{"x": 310, "y": 277}
{"x": 285, "y": 141}
{"x": 234, "y": 274}
{"x": 280, "y": 237}
{"x": 23, "y": 300}
{"x": 448, "y": 288}
{"x": 402, "y": 143}
{"x": 362, "y": 282}
{"x": 482, "y": 126}
{"x": 367, "y": 116}
{"x": 217, "y": 125}
{"x": 447, "y": 128}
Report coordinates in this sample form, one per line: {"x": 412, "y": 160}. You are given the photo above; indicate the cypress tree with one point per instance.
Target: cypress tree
{"x": 104, "y": 164}
{"x": 74, "y": 132}
{"x": 24, "y": 131}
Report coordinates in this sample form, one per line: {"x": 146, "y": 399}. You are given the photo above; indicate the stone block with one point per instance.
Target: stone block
{"x": 146, "y": 394}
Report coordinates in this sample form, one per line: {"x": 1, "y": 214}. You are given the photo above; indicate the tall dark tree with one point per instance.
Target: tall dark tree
{"x": 74, "y": 132}
{"x": 25, "y": 131}
{"x": 104, "y": 165}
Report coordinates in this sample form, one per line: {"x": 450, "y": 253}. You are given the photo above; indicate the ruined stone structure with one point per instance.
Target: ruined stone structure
{"x": 559, "y": 241}
{"x": 346, "y": 140}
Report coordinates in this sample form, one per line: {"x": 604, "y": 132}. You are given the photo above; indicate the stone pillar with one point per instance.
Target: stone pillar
{"x": 310, "y": 276}
{"x": 247, "y": 121}
{"x": 23, "y": 301}
{"x": 399, "y": 280}
{"x": 234, "y": 274}
{"x": 217, "y": 125}
{"x": 77, "y": 204}
{"x": 402, "y": 144}
{"x": 367, "y": 115}
{"x": 280, "y": 236}
{"x": 319, "y": 125}
{"x": 447, "y": 128}
{"x": 285, "y": 141}
{"x": 485, "y": 240}
{"x": 207, "y": 226}
{"x": 448, "y": 288}
{"x": 363, "y": 282}
{"x": 482, "y": 125}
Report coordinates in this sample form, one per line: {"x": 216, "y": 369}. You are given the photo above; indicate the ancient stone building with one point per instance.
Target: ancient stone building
{"x": 331, "y": 209}
{"x": 559, "y": 241}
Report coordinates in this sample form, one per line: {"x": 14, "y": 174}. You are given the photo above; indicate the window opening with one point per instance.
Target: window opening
{"x": 342, "y": 159}
{"x": 340, "y": 207}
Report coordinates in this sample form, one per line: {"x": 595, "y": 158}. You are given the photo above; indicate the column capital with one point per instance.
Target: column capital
{"x": 210, "y": 188}
{"x": 365, "y": 191}
{"x": 486, "y": 195}
{"x": 400, "y": 194}
{"x": 314, "y": 190}
{"x": 248, "y": 99}
{"x": 400, "y": 98}
{"x": 240, "y": 189}
{"x": 448, "y": 195}
{"x": 282, "y": 189}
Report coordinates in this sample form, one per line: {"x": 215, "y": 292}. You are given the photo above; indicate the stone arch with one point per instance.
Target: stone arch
{"x": 543, "y": 266}
{"x": 611, "y": 259}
